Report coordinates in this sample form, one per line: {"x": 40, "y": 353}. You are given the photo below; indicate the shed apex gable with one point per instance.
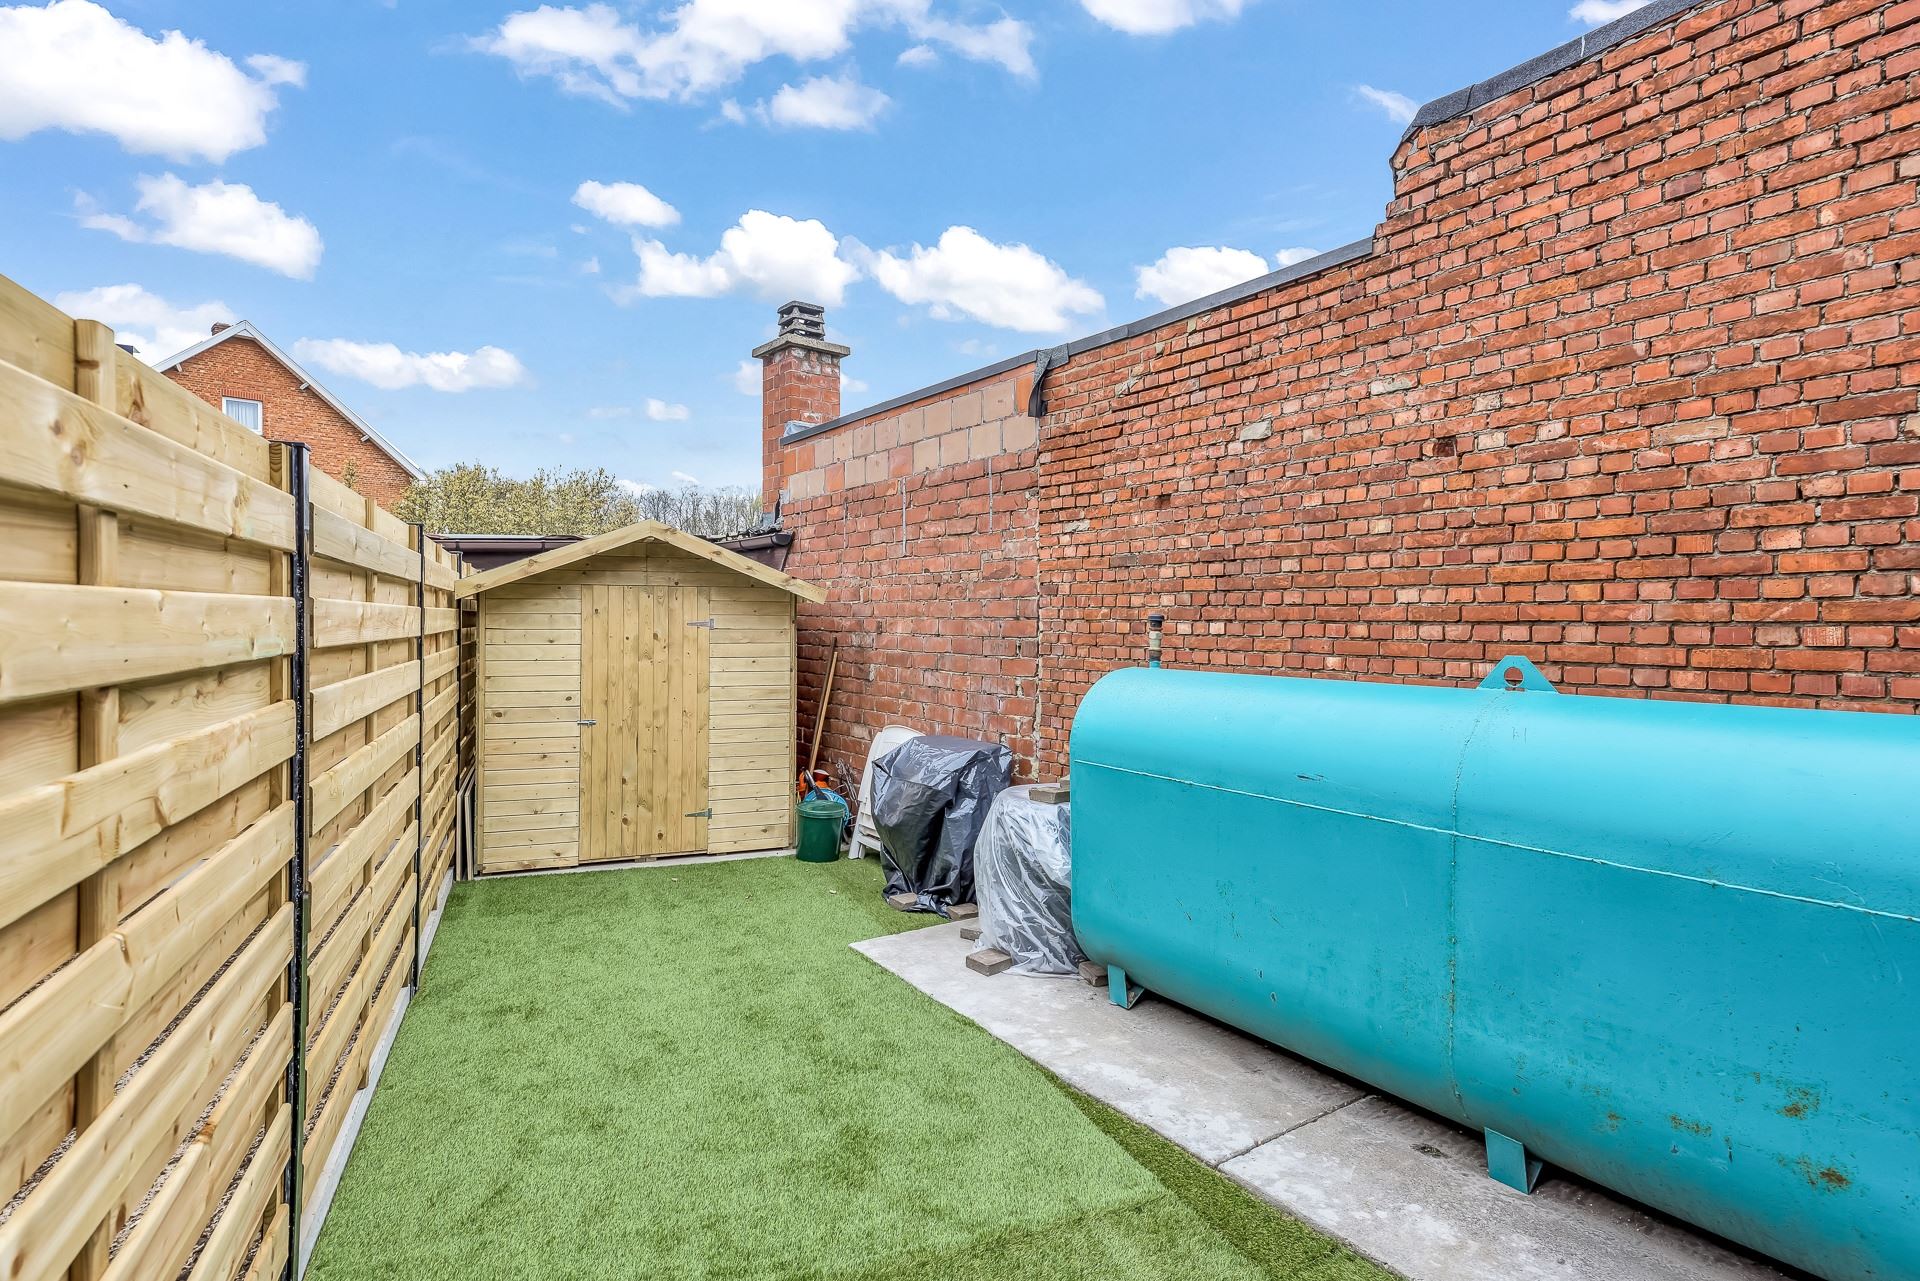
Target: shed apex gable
{"x": 626, "y": 536}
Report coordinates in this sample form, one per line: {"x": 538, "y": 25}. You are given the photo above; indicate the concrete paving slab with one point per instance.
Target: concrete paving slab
{"x": 1208, "y": 1088}
{"x": 1402, "y": 1187}
{"x": 1412, "y": 1192}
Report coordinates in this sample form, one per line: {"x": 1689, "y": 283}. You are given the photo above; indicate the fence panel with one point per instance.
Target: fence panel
{"x": 146, "y": 735}
{"x": 230, "y": 726}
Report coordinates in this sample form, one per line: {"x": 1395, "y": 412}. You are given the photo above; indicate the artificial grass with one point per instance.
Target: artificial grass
{"x": 685, "y": 1072}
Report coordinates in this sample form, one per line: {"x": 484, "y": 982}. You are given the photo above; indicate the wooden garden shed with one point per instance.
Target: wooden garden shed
{"x": 635, "y": 699}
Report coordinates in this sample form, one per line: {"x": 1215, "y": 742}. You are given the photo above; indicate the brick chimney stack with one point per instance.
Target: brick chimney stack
{"x": 799, "y": 384}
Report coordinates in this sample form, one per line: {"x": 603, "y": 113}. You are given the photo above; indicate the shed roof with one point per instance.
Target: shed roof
{"x": 626, "y": 536}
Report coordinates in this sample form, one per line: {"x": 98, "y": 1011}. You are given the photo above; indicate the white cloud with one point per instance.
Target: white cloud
{"x": 1006, "y": 42}
{"x": 747, "y": 377}
{"x": 662, "y": 412}
{"x": 1300, "y": 253}
{"x": 387, "y": 367}
{"x": 733, "y": 113}
{"x": 1182, "y": 274}
{"x": 827, "y": 102}
{"x": 769, "y": 255}
{"x": 1157, "y": 17}
{"x": 75, "y": 67}
{"x": 1595, "y": 12}
{"x": 919, "y": 55}
{"x": 966, "y": 274}
{"x": 637, "y": 487}
{"x": 627, "y": 203}
{"x": 1399, "y": 108}
{"x": 706, "y": 45}
{"x": 218, "y": 218}
{"x": 156, "y": 328}
{"x": 851, "y": 386}
{"x": 684, "y": 479}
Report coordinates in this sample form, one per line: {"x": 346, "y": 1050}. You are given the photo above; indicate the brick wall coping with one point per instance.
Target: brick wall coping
{"x": 1461, "y": 101}
{"x": 1132, "y": 329}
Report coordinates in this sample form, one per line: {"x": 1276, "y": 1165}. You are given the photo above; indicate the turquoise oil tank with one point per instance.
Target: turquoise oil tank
{"x": 1672, "y": 947}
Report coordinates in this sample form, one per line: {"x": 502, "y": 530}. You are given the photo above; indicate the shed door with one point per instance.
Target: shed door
{"x": 643, "y": 682}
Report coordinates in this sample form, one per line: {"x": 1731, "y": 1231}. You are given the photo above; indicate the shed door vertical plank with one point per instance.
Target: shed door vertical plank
{"x": 633, "y": 621}
{"x": 666, "y": 624}
{"x": 695, "y": 684}
{"x": 594, "y": 801}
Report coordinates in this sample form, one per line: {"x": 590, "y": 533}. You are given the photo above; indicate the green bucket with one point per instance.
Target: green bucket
{"x": 820, "y": 824}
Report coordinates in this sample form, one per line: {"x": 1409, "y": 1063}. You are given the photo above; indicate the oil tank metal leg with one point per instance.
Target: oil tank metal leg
{"x": 1508, "y": 1162}
{"x": 1119, "y": 991}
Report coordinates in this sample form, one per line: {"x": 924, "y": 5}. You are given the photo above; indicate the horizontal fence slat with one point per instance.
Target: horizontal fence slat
{"x": 340, "y": 540}
{"x": 53, "y": 1030}
{"x": 270, "y": 1260}
{"x": 62, "y": 832}
{"x": 441, "y": 621}
{"x": 324, "y": 1050}
{"x": 441, "y": 663}
{"x": 52, "y": 1223}
{"x": 55, "y": 442}
{"x": 353, "y": 622}
{"x": 336, "y": 789}
{"x": 239, "y": 1222}
{"x": 56, "y": 638}
{"x": 158, "y": 403}
{"x": 340, "y": 704}
{"x": 329, "y": 879}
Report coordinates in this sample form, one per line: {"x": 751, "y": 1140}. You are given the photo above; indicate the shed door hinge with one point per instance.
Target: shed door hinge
{"x": 705, "y": 813}
{"x": 705, "y": 622}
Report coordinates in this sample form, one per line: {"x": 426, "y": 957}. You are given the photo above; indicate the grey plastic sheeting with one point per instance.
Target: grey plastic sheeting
{"x": 1023, "y": 869}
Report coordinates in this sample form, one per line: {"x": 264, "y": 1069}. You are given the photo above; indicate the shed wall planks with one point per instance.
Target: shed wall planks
{"x": 723, "y": 709}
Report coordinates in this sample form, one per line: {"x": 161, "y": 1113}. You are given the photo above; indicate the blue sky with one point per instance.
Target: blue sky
{"x": 548, "y": 235}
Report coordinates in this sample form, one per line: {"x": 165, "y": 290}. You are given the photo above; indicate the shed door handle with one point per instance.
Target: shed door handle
{"x": 586, "y": 722}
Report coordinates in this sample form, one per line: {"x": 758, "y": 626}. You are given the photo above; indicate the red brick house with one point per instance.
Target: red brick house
{"x": 239, "y": 371}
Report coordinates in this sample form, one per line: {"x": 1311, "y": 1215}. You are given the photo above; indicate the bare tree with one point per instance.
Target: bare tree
{"x": 469, "y": 498}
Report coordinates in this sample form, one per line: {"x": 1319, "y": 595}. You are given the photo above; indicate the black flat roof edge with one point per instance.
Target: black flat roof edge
{"x": 1133, "y": 329}
{"x": 1458, "y": 103}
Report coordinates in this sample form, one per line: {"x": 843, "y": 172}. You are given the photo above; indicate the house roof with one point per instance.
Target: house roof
{"x": 643, "y": 531}
{"x": 246, "y": 329}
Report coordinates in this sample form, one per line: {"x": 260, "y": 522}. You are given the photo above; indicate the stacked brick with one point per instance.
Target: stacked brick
{"x": 1630, "y": 384}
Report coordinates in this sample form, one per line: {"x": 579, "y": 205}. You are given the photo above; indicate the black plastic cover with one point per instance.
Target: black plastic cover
{"x": 930, "y": 799}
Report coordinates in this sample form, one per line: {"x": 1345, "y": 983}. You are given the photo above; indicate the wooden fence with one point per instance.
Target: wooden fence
{"x": 227, "y": 739}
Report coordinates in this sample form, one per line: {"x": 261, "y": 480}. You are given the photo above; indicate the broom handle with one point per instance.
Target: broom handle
{"x": 820, "y": 715}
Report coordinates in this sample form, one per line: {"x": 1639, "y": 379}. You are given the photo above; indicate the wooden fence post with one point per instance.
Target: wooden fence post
{"x": 97, "y": 541}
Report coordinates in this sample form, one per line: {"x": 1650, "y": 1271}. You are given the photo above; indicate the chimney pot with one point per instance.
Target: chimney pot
{"x": 800, "y": 387}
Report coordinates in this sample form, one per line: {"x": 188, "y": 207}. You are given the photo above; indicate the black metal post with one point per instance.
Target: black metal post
{"x": 299, "y": 580}
{"x": 419, "y": 749}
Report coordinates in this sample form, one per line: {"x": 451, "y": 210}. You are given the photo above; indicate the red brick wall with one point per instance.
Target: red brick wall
{"x": 1630, "y": 384}
{"x": 241, "y": 368}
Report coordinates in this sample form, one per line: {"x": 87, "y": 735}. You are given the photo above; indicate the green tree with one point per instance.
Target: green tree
{"x": 469, "y": 498}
